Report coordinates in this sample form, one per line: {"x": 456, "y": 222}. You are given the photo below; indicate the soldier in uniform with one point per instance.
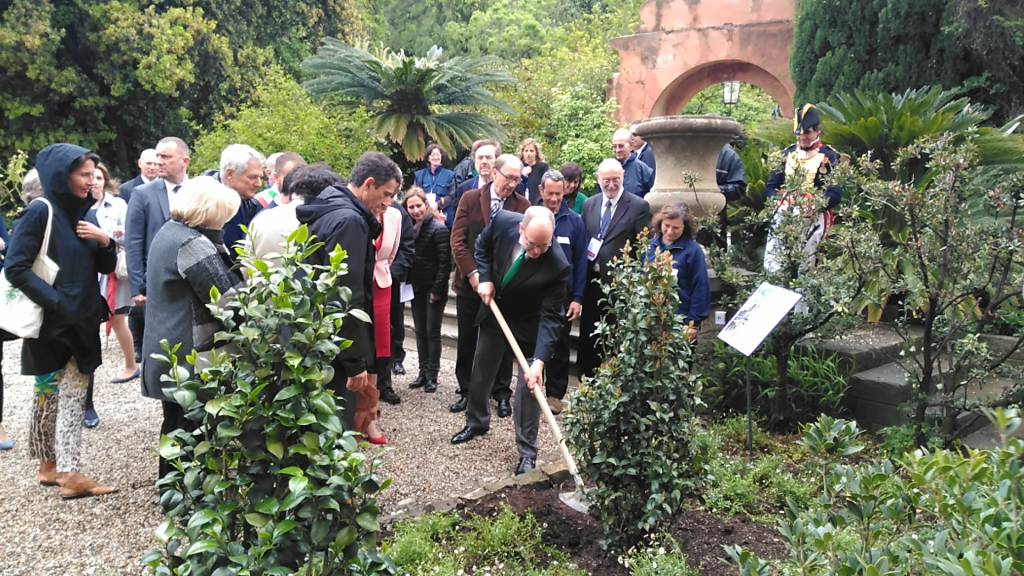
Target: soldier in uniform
{"x": 812, "y": 160}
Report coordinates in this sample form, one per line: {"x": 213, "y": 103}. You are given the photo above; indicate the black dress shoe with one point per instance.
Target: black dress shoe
{"x": 398, "y": 369}
{"x": 504, "y": 408}
{"x": 419, "y": 382}
{"x": 430, "y": 386}
{"x": 459, "y": 405}
{"x": 388, "y": 395}
{"x": 467, "y": 434}
{"x": 525, "y": 465}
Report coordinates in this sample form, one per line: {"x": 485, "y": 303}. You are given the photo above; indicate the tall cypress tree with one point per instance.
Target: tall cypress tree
{"x": 893, "y": 45}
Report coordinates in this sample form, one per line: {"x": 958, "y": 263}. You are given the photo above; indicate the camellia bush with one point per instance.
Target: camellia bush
{"x": 930, "y": 512}
{"x": 630, "y": 424}
{"x": 269, "y": 483}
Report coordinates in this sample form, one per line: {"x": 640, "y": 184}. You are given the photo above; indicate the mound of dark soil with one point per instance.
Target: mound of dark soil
{"x": 700, "y": 534}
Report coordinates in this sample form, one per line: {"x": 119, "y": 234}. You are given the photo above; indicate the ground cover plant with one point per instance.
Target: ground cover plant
{"x": 503, "y": 543}
{"x": 818, "y": 383}
{"x": 928, "y": 511}
{"x": 269, "y": 483}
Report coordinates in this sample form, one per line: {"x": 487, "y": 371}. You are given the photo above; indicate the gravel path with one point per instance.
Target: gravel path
{"x": 41, "y": 535}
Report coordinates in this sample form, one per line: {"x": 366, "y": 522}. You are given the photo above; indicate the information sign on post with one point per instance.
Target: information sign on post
{"x": 754, "y": 321}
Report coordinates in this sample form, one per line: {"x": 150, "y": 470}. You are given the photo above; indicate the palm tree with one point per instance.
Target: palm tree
{"x": 412, "y": 99}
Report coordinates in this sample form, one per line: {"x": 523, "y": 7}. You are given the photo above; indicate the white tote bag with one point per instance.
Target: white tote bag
{"x": 19, "y": 315}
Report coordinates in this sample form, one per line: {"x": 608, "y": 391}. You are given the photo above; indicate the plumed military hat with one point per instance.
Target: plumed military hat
{"x": 806, "y": 119}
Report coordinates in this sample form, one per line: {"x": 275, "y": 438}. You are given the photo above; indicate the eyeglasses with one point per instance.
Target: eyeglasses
{"x": 507, "y": 177}
{"x": 611, "y": 181}
{"x": 527, "y": 245}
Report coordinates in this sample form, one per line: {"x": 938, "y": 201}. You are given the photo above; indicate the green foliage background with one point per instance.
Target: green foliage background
{"x": 893, "y": 45}
{"x": 283, "y": 117}
{"x": 116, "y": 75}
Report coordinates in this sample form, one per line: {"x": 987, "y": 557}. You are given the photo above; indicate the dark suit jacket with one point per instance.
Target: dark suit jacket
{"x": 647, "y": 157}
{"x": 632, "y": 214}
{"x": 148, "y": 210}
{"x": 473, "y": 214}
{"x": 533, "y": 302}
{"x": 126, "y": 189}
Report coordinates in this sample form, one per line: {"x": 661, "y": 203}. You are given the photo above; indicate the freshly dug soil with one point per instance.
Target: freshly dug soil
{"x": 700, "y": 534}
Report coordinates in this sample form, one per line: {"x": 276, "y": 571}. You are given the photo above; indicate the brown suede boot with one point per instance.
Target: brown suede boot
{"x": 48, "y": 473}
{"x": 78, "y": 485}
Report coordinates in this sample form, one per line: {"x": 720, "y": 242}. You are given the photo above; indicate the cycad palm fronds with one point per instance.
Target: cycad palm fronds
{"x": 406, "y": 93}
{"x": 882, "y": 123}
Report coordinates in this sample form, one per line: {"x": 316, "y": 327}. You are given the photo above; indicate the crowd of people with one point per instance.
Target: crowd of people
{"x": 504, "y": 229}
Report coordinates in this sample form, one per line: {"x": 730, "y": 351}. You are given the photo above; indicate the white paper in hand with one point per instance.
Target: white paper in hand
{"x": 406, "y": 293}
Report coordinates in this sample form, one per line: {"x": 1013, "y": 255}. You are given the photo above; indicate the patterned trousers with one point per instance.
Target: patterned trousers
{"x": 55, "y": 433}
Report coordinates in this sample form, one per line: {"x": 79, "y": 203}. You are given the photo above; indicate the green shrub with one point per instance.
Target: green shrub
{"x": 630, "y": 424}
{"x": 759, "y": 488}
{"x": 930, "y": 512}
{"x": 284, "y": 117}
{"x": 817, "y": 384}
{"x": 505, "y": 543}
{"x": 269, "y": 483}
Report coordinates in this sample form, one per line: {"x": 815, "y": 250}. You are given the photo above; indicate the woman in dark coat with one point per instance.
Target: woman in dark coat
{"x": 533, "y": 170}
{"x": 67, "y": 350}
{"x": 428, "y": 277}
{"x": 186, "y": 259}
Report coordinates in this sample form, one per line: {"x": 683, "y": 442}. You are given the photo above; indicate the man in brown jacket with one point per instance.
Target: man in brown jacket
{"x": 476, "y": 208}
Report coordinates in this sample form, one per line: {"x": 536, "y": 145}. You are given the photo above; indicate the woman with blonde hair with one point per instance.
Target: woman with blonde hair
{"x": 534, "y": 168}
{"x": 428, "y": 276}
{"x": 187, "y": 259}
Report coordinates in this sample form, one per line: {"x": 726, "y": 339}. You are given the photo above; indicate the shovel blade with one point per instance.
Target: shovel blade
{"x": 575, "y": 500}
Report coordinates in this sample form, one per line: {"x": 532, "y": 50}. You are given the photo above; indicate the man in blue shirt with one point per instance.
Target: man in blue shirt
{"x": 637, "y": 178}
{"x": 571, "y": 235}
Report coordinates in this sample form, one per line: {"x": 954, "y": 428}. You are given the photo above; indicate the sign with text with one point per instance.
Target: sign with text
{"x": 758, "y": 316}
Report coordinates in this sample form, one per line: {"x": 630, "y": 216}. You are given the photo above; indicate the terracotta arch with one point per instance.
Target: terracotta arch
{"x": 683, "y": 46}
{"x": 675, "y": 96}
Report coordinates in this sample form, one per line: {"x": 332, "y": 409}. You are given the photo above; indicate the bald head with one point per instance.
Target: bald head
{"x": 536, "y": 231}
{"x": 621, "y": 148}
{"x": 149, "y": 164}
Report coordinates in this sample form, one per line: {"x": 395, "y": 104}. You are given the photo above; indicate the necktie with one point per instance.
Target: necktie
{"x": 606, "y": 218}
{"x": 495, "y": 206}
{"x": 176, "y": 188}
{"x": 511, "y": 273}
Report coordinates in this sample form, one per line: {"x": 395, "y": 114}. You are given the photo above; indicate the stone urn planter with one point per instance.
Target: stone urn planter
{"x": 687, "y": 145}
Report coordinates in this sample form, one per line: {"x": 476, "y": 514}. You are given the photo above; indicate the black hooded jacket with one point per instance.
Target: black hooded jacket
{"x": 73, "y": 308}
{"x": 337, "y": 217}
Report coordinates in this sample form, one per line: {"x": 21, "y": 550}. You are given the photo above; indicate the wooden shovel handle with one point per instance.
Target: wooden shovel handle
{"x": 537, "y": 393}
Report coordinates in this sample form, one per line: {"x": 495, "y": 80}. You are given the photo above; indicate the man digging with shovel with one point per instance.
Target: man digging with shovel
{"x": 527, "y": 281}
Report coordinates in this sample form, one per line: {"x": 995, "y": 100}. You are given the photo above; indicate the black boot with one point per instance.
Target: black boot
{"x": 420, "y": 381}
{"x": 388, "y": 395}
{"x": 431, "y": 384}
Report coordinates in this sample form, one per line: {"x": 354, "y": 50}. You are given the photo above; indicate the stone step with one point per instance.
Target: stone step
{"x": 879, "y": 397}
{"x": 864, "y": 348}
